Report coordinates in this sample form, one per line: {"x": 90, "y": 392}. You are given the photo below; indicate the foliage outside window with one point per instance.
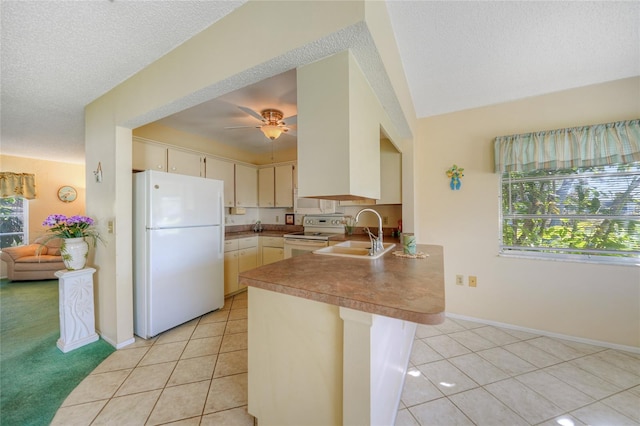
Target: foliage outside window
{"x": 589, "y": 213}
{"x": 14, "y": 223}
{"x": 571, "y": 193}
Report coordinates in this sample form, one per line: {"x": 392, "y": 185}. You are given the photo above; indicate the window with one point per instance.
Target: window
{"x": 571, "y": 193}
{"x": 580, "y": 213}
{"x": 14, "y": 221}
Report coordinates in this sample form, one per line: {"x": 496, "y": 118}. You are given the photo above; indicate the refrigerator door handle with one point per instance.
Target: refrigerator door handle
{"x": 221, "y": 204}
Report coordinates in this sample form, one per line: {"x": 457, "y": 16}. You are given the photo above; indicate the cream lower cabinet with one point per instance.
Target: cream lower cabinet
{"x": 239, "y": 255}
{"x": 272, "y": 249}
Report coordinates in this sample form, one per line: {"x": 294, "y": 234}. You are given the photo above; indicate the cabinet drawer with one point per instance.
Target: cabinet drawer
{"x": 247, "y": 242}
{"x": 272, "y": 242}
{"x": 230, "y": 245}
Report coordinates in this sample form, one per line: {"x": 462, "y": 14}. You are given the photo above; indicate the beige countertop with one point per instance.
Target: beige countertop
{"x": 396, "y": 287}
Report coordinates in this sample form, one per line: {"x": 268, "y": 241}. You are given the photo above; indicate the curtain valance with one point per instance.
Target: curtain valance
{"x": 18, "y": 184}
{"x": 598, "y": 145}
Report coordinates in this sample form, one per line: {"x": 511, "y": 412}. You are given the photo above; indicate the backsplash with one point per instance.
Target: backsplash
{"x": 265, "y": 227}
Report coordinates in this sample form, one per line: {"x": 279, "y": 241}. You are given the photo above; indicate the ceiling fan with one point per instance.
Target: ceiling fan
{"x": 273, "y": 124}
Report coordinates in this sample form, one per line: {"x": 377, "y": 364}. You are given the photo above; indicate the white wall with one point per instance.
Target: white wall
{"x": 589, "y": 301}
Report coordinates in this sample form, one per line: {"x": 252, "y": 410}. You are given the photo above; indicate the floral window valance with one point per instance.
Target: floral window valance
{"x": 599, "y": 145}
{"x": 18, "y": 184}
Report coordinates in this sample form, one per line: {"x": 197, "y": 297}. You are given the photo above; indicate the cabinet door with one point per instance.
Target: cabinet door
{"x": 147, "y": 156}
{"x": 224, "y": 171}
{"x": 247, "y": 259}
{"x": 230, "y": 272}
{"x": 184, "y": 163}
{"x": 390, "y": 174}
{"x": 246, "y": 186}
{"x": 272, "y": 254}
{"x": 266, "y": 187}
{"x": 284, "y": 186}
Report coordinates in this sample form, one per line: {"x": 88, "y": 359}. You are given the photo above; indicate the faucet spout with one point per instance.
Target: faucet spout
{"x": 377, "y": 244}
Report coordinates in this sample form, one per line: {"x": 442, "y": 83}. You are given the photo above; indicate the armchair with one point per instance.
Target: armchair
{"x": 27, "y": 263}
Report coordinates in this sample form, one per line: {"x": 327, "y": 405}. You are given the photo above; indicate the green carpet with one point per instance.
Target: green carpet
{"x": 35, "y": 376}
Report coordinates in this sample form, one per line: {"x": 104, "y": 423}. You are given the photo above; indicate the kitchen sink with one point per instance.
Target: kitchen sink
{"x": 355, "y": 249}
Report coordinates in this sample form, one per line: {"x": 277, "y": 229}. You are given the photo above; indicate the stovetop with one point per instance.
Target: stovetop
{"x": 320, "y": 227}
{"x": 311, "y": 235}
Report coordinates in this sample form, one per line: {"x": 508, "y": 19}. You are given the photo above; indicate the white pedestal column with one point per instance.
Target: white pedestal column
{"x": 77, "y": 319}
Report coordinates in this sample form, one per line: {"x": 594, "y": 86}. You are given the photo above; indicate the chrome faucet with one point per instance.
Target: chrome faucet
{"x": 376, "y": 242}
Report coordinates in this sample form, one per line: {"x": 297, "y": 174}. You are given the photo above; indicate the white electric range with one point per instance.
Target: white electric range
{"x": 317, "y": 231}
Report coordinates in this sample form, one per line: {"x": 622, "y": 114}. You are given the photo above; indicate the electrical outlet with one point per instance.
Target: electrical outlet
{"x": 385, "y": 220}
{"x": 473, "y": 281}
{"x": 277, "y": 219}
{"x": 460, "y": 279}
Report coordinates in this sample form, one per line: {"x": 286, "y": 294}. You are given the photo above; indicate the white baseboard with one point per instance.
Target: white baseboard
{"x": 632, "y": 349}
{"x": 121, "y": 345}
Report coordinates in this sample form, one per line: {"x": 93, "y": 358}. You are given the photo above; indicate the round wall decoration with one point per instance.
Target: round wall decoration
{"x": 67, "y": 194}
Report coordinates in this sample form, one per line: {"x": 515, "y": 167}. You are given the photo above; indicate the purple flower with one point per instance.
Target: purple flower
{"x": 71, "y": 227}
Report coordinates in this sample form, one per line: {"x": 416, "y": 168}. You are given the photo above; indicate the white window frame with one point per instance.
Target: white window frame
{"x": 25, "y": 221}
{"x": 560, "y": 254}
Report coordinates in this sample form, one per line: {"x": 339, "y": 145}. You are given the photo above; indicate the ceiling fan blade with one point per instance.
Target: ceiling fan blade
{"x": 252, "y": 113}
{"x": 243, "y": 127}
{"x": 290, "y": 120}
{"x": 291, "y": 132}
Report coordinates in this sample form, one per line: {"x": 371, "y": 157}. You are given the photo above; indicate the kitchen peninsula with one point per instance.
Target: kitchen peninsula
{"x": 330, "y": 337}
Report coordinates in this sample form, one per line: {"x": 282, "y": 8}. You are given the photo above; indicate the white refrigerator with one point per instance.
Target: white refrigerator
{"x": 178, "y": 249}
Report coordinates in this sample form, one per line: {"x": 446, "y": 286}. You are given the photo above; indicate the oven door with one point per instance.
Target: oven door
{"x": 296, "y": 247}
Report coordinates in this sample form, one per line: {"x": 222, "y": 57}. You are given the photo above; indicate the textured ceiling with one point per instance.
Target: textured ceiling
{"x": 460, "y": 55}
{"x": 58, "y": 56}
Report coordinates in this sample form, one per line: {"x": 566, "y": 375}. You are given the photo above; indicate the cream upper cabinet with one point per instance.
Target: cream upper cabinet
{"x": 184, "y": 163}
{"x": 224, "y": 171}
{"x": 275, "y": 185}
{"x": 390, "y": 174}
{"x": 284, "y": 185}
{"x": 390, "y": 178}
{"x": 246, "y": 186}
{"x": 266, "y": 187}
{"x": 149, "y": 156}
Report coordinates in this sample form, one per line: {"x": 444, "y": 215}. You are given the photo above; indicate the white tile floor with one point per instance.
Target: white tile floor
{"x": 466, "y": 373}
{"x": 461, "y": 373}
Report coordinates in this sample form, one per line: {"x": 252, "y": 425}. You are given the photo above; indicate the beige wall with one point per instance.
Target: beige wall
{"x": 590, "y": 301}
{"x": 50, "y": 176}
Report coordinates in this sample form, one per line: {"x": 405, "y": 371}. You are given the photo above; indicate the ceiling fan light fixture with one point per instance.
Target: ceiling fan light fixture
{"x": 271, "y": 131}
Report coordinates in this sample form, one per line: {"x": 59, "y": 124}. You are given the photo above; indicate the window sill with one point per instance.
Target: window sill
{"x": 610, "y": 261}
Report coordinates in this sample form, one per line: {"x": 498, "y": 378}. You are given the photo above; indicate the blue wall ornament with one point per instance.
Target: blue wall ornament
{"x": 455, "y": 173}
